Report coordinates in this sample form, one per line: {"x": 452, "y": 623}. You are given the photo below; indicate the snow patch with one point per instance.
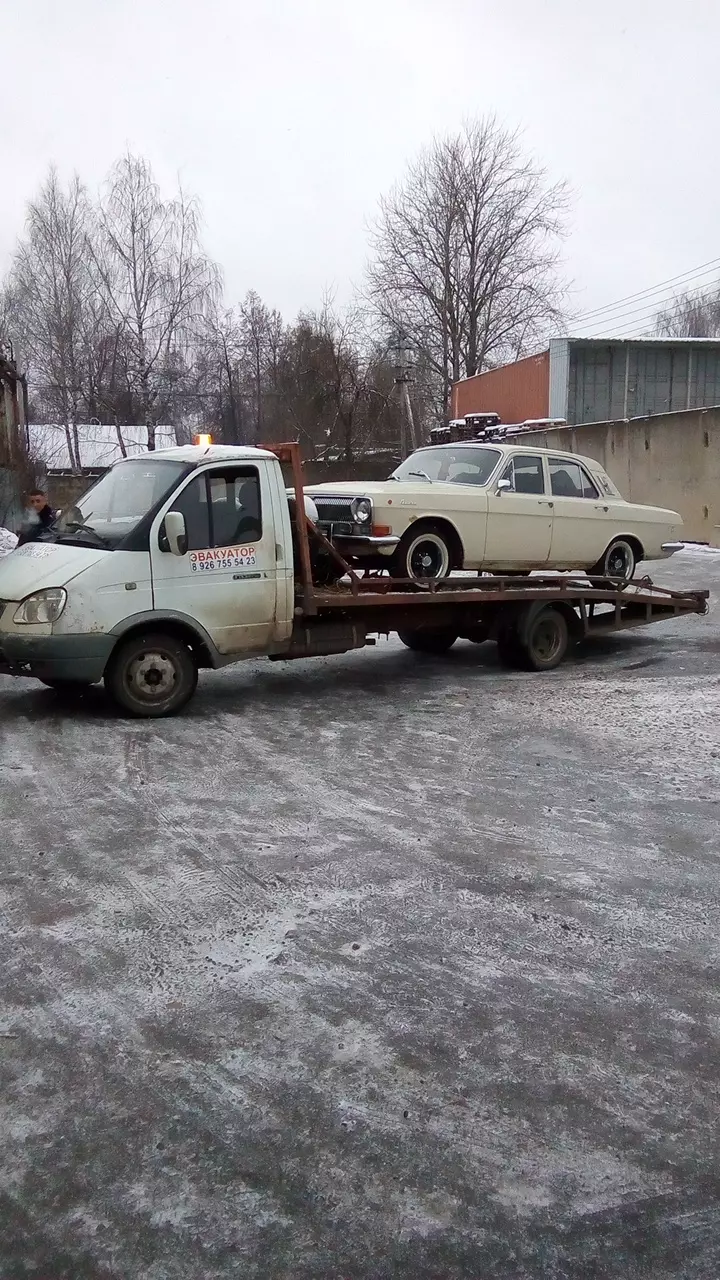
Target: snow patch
{"x": 8, "y": 542}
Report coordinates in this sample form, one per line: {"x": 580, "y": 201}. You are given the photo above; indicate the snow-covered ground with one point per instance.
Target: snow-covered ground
{"x": 366, "y": 966}
{"x": 699, "y": 549}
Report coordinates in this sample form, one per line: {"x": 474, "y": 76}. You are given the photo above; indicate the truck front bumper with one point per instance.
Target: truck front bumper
{"x": 81, "y": 658}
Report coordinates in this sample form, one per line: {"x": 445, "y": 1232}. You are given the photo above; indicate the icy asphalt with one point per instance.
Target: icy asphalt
{"x": 374, "y": 966}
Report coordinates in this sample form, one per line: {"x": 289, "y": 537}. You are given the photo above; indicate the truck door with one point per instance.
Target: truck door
{"x": 227, "y": 579}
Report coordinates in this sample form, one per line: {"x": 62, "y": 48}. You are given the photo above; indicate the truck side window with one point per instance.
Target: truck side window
{"x": 235, "y": 506}
{"x": 192, "y": 503}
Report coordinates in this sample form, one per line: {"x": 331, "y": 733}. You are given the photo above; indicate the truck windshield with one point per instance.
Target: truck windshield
{"x": 454, "y": 465}
{"x": 108, "y": 512}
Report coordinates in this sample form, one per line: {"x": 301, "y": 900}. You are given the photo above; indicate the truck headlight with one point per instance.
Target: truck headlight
{"x": 361, "y": 510}
{"x": 44, "y": 606}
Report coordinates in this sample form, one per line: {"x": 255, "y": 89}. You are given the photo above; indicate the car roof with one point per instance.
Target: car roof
{"x": 502, "y": 446}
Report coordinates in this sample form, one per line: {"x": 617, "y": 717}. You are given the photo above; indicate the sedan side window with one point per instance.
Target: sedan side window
{"x": 570, "y": 480}
{"x": 525, "y": 473}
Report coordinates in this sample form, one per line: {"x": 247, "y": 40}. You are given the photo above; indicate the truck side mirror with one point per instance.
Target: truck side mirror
{"x": 504, "y": 485}
{"x": 176, "y": 533}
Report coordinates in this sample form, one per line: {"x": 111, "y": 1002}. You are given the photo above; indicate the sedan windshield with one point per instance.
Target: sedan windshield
{"x": 108, "y": 512}
{"x": 451, "y": 466}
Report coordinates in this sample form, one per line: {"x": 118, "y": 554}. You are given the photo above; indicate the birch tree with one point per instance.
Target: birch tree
{"x": 158, "y": 283}
{"x": 693, "y": 314}
{"x": 48, "y": 295}
{"x": 465, "y": 253}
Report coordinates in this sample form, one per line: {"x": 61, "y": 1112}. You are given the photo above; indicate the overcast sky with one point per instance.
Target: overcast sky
{"x": 290, "y": 117}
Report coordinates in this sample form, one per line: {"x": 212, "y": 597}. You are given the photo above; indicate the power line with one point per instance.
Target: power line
{"x": 705, "y": 268}
{"x": 641, "y": 313}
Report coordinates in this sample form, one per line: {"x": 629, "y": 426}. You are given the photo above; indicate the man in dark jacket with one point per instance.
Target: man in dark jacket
{"x": 40, "y": 517}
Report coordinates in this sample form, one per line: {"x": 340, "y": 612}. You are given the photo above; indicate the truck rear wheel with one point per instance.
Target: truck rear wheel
{"x": 151, "y": 675}
{"x": 545, "y": 642}
{"x": 428, "y": 641}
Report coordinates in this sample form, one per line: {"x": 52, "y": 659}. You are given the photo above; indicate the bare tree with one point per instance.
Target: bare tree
{"x": 466, "y": 253}
{"x": 261, "y": 336}
{"x": 694, "y": 314}
{"x": 47, "y": 299}
{"x": 158, "y": 284}
{"x": 356, "y": 381}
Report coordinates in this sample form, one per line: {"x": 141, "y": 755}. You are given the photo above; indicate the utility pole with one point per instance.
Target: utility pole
{"x": 402, "y": 372}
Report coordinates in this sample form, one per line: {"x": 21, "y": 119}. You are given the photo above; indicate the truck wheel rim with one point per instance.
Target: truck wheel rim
{"x": 547, "y": 639}
{"x": 152, "y": 677}
{"x": 428, "y": 557}
{"x": 620, "y": 560}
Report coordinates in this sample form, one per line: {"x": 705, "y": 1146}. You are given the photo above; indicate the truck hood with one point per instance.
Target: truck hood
{"x": 39, "y": 565}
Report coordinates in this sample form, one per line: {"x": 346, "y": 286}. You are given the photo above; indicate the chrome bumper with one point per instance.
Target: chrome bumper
{"x": 364, "y": 542}
{"x": 671, "y": 547}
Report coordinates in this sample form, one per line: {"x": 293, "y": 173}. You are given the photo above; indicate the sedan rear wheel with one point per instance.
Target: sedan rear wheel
{"x": 618, "y": 563}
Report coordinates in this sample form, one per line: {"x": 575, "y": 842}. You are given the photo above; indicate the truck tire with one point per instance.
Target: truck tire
{"x": 428, "y": 641}
{"x": 545, "y": 640}
{"x": 618, "y": 564}
{"x": 151, "y": 675}
{"x": 424, "y": 552}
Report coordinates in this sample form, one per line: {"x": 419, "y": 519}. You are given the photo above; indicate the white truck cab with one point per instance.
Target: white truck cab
{"x": 193, "y": 543}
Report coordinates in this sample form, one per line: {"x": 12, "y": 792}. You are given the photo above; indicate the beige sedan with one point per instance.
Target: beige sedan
{"x": 496, "y": 507}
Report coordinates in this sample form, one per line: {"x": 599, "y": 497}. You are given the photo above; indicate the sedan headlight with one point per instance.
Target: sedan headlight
{"x": 44, "y": 606}
{"x": 361, "y": 510}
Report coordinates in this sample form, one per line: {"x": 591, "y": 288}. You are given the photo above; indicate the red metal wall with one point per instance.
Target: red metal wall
{"x": 515, "y": 391}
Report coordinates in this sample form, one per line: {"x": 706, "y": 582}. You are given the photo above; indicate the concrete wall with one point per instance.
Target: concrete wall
{"x": 666, "y": 460}
{"x": 64, "y": 490}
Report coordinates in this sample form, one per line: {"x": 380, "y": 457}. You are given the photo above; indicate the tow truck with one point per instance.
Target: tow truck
{"x": 199, "y": 556}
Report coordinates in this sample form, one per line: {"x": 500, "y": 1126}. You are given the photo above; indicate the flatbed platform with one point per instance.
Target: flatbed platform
{"x": 534, "y": 618}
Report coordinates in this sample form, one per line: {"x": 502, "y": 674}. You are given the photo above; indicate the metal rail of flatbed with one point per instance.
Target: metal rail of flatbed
{"x": 633, "y": 603}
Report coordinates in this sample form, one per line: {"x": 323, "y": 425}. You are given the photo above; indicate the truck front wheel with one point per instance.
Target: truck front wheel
{"x": 151, "y": 675}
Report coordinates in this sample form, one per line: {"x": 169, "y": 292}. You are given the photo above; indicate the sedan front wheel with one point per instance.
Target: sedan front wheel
{"x": 423, "y": 553}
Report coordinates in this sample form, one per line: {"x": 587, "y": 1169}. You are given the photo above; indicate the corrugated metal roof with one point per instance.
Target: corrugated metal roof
{"x": 641, "y": 342}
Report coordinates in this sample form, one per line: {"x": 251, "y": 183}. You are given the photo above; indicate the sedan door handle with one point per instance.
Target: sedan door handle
{"x": 543, "y": 502}
{"x": 599, "y": 508}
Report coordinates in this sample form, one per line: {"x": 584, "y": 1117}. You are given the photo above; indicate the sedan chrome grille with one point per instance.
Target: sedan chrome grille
{"x": 331, "y": 509}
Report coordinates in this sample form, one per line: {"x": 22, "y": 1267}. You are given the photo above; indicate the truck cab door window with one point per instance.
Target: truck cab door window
{"x": 192, "y": 503}
{"x": 235, "y": 507}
